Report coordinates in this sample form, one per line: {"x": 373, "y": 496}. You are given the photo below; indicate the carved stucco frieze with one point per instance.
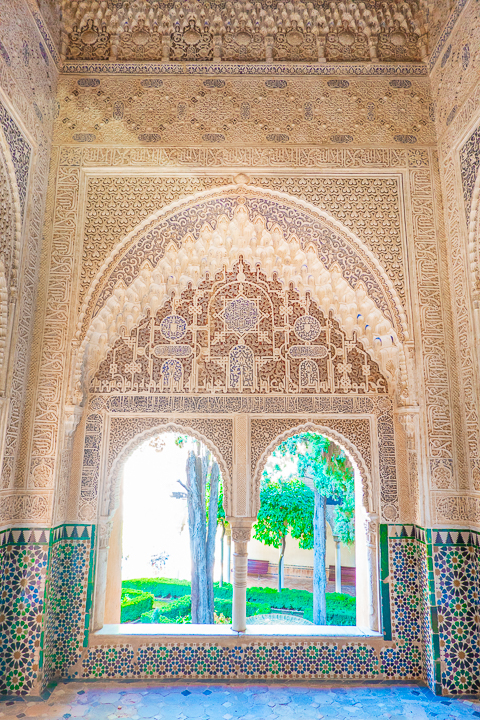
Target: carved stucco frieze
{"x": 28, "y": 81}
{"x": 456, "y": 91}
{"x": 242, "y": 111}
{"x": 368, "y": 206}
{"x": 222, "y": 227}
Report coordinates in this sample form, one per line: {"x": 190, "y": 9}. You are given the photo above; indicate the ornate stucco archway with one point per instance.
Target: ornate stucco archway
{"x": 366, "y": 503}
{"x": 240, "y": 315}
{"x": 136, "y": 433}
{"x": 197, "y": 238}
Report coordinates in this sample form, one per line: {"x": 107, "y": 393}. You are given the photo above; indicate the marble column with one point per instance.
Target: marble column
{"x": 241, "y": 529}
{"x": 105, "y": 529}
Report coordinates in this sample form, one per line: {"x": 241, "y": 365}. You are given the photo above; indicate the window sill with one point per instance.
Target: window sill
{"x": 129, "y": 630}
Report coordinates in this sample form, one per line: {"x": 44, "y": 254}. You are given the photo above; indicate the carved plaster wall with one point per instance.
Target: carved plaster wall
{"x": 410, "y": 166}
{"x": 246, "y": 31}
{"x": 456, "y": 90}
{"x": 28, "y": 80}
{"x": 287, "y": 242}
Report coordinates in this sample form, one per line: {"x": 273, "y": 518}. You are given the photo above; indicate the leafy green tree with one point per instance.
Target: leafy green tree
{"x": 285, "y": 508}
{"x": 325, "y": 466}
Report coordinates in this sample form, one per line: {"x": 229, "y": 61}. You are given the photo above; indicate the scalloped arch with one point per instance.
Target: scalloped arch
{"x": 111, "y": 491}
{"x": 334, "y": 436}
{"x": 281, "y": 234}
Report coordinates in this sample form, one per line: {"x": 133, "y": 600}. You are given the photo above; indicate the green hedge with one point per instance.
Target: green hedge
{"x": 285, "y": 599}
{"x": 134, "y": 603}
{"x": 225, "y": 607}
{"x": 160, "y": 587}
{"x": 340, "y": 607}
{"x": 179, "y": 608}
{"x": 154, "y": 616}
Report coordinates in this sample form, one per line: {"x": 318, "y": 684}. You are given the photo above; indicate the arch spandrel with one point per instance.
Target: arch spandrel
{"x": 184, "y": 242}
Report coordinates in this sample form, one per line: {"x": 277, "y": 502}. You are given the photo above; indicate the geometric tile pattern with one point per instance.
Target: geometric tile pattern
{"x": 23, "y": 568}
{"x": 428, "y": 617}
{"x": 457, "y": 575}
{"x": 68, "y": 598}
{"x": 409, "y": 558}
{"x": 270, "y": 660}
{"x": 404, "y": 660}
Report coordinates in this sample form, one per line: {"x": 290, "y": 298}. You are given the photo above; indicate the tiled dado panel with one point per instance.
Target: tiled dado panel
{"x": 397, "y": 657}
{"x": 68, "y": 597}
{"x": 456, "y": 557}
{"x": 23, "y": 570}
{"x": 424, "y": 575}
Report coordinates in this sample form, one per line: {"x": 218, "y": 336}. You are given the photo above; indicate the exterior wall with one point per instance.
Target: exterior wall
{"x": 294, "y": 555}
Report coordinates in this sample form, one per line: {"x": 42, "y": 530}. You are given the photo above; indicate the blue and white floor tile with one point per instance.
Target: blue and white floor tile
{"x": 314, "y": 701}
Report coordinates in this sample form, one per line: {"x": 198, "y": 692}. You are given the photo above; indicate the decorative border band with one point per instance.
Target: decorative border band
{"x": 25, "y": 536}
{"x": 294, "y": 69}
{"x": 437, "y": 50}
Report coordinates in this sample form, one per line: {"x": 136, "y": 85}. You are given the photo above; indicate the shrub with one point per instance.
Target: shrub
{"x": 177, "y": 608}
{"x": 134, "y": 603}
{"x": 154, "y": 616}
{"x": 340, "y": 607}
{"x": 225, "y": 608}
{"x": 179, "y": 611}
{"x": 224, "y": 592}
{"x": 160, "y": 587}
{"x": 285, "y": 599}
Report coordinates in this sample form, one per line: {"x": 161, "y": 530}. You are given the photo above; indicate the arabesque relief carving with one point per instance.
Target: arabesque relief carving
{"x": 235, "y": 333}
{"x": 218, "y": 232}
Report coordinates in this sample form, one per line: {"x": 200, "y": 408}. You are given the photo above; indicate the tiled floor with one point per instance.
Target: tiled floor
{"x": 109, "y": 701}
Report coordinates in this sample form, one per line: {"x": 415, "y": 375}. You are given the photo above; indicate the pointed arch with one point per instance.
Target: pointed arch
{"x": 192, "y": 238}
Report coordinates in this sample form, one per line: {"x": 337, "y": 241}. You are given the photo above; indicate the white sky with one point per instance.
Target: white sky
{"x": 153, "y": 521}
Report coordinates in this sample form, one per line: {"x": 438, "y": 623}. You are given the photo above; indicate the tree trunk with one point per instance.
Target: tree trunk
{"x": 196, "y": 521}
{"x": 222, "y": 543}
{"x": 229, "y": 558}
{"x": 281, "y": 562}
{"x": 338, "y": 565}
{"x": 319, "y": 549}
{"x": 212, "y": 534}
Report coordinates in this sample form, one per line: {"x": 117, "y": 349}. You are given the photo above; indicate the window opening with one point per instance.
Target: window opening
{"x": 176, "y": 552}
{"x": 302, "y": 556}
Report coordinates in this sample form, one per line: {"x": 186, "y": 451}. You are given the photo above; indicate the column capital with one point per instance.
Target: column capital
{"x": 241, "y": 528}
